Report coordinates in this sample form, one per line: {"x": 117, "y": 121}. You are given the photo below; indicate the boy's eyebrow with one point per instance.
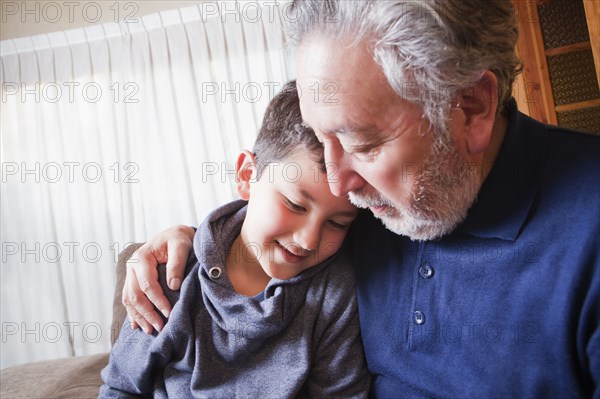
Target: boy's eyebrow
{"x": 309, "y": 197}
{"x": 306, "y": 195}
{"x": 348, "y": 214}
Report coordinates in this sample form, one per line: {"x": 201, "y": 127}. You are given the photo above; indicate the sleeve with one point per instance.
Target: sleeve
{"x": 137, "y": 360}
{"x": 590, "y": 335}
{"x": 594, "y": 358}
{"x": 339, "y": 369}
{"x": 588, "y": 331}
{"x": 136, "y": 363}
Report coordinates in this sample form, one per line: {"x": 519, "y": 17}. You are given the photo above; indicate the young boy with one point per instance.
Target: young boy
{"x": 268, "y": 307}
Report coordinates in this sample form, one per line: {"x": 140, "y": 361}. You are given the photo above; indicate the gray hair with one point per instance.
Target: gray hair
{"x": 429, "y": 50}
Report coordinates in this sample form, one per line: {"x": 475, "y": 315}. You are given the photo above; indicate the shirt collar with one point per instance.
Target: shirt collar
{"x": 509, "y": 190}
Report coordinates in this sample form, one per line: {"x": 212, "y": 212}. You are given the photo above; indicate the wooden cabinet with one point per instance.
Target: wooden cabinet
{"x": 559, "y": 44}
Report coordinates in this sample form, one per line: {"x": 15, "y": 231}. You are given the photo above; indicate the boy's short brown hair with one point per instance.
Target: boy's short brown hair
{"x": 283, "y": 132}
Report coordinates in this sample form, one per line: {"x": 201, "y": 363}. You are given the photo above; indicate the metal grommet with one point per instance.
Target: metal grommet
{"x": 214, "y": 272}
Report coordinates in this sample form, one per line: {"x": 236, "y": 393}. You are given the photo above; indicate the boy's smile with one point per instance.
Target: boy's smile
{"x": 291, "y": 254}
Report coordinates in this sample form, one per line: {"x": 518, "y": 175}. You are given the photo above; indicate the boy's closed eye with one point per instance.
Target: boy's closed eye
{"x": 293, "y": 206}
{"x": 338, "y": 225}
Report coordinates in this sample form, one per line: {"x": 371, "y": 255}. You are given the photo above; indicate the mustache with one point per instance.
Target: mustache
{"x": 363, "y": 200}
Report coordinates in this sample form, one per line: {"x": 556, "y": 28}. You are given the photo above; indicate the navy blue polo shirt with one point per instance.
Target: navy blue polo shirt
{"x": 508, "y": 305}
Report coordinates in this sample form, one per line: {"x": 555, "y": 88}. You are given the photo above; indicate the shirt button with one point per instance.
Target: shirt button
{"x": 419, "y": 317}
{"x": 426, "y": 271}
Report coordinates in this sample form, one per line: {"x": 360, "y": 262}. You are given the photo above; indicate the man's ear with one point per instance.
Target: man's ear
{"x": 244, "y": 171}
{"x": 479, "y": 105}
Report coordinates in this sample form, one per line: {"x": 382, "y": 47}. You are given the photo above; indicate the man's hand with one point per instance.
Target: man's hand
{"x": 141, "y": 289}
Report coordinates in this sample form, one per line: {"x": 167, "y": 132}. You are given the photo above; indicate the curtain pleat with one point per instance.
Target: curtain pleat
{"x": 116, "y": 132}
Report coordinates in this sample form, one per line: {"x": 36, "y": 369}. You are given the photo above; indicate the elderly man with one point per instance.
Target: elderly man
{"x": 483, "y": 277}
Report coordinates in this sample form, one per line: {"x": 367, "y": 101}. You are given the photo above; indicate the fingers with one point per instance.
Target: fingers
{"x": 178, "y": 252}
{"x": 133, "y": 299}
{"x": 141, "y": 292}
{"x": 147, "y": 278}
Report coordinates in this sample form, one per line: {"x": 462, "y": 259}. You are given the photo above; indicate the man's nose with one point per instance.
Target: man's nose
{"x": 341, "y": 176}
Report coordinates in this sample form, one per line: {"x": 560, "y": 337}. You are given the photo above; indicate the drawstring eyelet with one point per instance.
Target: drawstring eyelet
{"x": 215, "y": 273}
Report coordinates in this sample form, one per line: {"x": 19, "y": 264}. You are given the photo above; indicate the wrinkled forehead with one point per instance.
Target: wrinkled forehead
{"x": 342, "y": 87}
{"x": 330, "y": 64}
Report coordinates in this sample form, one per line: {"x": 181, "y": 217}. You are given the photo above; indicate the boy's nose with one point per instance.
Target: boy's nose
{"x": 308, "y": 237}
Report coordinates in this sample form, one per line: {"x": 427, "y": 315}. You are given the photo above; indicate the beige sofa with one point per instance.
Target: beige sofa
{"x": 74, "y": 377}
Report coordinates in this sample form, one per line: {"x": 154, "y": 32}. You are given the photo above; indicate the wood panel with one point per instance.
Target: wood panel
{"x": 592, "y": 14}
{"x": 535, "y": 67}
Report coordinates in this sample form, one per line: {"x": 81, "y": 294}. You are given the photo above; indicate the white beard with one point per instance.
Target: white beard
{"x": 442, "y": 194}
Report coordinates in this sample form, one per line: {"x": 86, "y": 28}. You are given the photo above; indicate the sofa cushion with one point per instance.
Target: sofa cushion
{"x": 73, "y": 377}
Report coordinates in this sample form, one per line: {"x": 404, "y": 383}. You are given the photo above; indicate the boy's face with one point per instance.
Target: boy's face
{"x": 293, "y": 220}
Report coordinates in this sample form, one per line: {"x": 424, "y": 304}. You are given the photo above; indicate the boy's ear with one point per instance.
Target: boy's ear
{"x": 244, "y": 171}
{"x": 479, "y": 105}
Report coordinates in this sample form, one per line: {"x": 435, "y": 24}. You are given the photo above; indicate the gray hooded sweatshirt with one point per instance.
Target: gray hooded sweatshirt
{"x": 301, "y": 340}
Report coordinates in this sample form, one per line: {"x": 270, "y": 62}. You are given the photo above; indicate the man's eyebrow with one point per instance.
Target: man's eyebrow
{"x": 354, "y": 129}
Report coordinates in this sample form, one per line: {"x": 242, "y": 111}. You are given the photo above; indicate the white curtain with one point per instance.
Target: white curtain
{"x": 111, "y": 134}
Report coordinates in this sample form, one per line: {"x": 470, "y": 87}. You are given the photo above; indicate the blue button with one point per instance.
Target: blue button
{"x": 419, "y": 317}
{"x": 426, "y": 271}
